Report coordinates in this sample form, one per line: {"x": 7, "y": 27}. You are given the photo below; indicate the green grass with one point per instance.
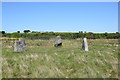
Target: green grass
{"x": 43, "y": 60}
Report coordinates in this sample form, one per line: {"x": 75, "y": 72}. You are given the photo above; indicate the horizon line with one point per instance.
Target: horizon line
{"x": 62, "y": 32}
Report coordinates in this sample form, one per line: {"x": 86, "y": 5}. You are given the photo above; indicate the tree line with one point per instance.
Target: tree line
{"x": 64, "y": 35}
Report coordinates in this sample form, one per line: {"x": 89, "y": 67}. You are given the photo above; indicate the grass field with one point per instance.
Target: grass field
{"x": 43, "y": 60}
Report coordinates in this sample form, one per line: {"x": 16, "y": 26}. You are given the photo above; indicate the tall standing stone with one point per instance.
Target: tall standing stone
{"x": 58, "y": 41}
{"x": 85, "y": 44}
{"x": 20, "y": 45}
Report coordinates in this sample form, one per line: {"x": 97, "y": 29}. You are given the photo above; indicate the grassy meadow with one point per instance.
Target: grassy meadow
{"x": 43, "y": 60}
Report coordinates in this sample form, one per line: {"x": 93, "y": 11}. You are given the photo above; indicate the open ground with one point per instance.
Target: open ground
{"x": 43, "y": 60}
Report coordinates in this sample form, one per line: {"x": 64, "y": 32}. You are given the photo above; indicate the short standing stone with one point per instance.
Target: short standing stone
{"x": 85, "y": 44}
{"x": 58, "y": 41}
{"x": 19, "y": 45}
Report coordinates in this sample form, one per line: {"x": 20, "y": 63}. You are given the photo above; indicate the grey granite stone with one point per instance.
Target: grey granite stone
{"x": 20, "y": 45}
{"x": 85, "y": 44}
{"x": 58, "y": 41}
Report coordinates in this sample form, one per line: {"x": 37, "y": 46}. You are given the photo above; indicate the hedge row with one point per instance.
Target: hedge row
{"x": 49, "y": 35}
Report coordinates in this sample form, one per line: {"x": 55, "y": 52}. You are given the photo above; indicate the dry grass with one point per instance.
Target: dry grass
{"x": 43, "y": 60}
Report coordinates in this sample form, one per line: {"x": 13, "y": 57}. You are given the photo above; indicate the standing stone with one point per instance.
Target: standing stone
{"x": 16, "y": 46}
{"x": 58, "y": 41}
{"x": 85, "y": 44}
{"x": 19, "y": 45}
{"x": 23, "y": 44}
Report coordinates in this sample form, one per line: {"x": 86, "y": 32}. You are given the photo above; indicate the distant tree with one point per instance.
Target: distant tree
{"x": 18, "y": 31}
{"x": 3, "y": 32}
{"x": 26, "y": 31}
{"x": 117, "y": 32}
{"x": 106, "y": 34}
{"x": 80, "y": 31}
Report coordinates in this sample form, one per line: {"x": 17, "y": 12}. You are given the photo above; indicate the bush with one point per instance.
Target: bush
{"x": 48, "y": 35}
